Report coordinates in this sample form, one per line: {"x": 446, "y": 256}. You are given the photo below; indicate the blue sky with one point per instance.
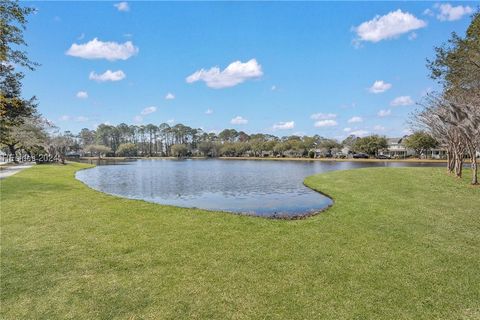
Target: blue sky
{"x": 293, "y": 68}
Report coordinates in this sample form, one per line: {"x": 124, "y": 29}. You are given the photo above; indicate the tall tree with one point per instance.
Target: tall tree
{"x": 453, "y": 116}
{"x": 13, "y": 108}
{"x": 87, "y": 137}
{"x": 152, "y": 135}
{"x": 457, "y": 63}
{"x": 370, "y": 145}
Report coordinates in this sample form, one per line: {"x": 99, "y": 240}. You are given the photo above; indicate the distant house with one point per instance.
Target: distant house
{"x": 438, "y": 153}
{"x": 3, "y": 156}
{"x": 321, "y": 153}
{"x": 289, "y": 153}
{"x": 346, "y": 150}
{"x": 396, "y": 149}
{"x": 72, "y": 155}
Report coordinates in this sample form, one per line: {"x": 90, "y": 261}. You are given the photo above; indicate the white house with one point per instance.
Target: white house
{"x": 396, "y": 149}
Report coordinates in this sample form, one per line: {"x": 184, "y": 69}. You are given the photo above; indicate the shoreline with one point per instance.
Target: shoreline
{"x": 336, "y": 160}
{"x": 275, "y": 216}
{"x": 268, "y": 159}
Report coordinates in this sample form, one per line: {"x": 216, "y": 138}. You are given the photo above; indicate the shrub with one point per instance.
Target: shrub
{"x": 179, "y": 150}
{"x": 127, "y": 150}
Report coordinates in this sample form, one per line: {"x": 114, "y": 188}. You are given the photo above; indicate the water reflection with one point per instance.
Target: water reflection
{"x": 103, "y": 161}
{"x": 264, "y": 188}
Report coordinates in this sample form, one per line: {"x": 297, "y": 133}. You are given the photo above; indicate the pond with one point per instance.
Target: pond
{"x": 261, "y": 187}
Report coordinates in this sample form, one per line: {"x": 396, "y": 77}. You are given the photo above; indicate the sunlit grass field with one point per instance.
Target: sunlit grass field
{"x": 399, "y": 243}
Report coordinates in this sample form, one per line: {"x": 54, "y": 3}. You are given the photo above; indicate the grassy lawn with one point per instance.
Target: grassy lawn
{"x": 399, "y": 243}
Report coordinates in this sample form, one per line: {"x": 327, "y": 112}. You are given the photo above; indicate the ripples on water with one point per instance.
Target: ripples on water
{"x": 264, "y": 188}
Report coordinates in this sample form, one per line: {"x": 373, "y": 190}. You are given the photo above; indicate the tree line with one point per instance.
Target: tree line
{"x": 181, "y": 141}
{"x": 452, "y": 115}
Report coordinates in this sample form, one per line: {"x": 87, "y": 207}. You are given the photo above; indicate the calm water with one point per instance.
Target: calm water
{"x": 264, "y": 188}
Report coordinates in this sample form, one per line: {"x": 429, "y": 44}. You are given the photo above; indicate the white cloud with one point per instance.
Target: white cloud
{"x": 347, "y": 129}
{"x": 148, "y": 110}
{"x": 284, "y": 125}
{"x": 325, "y": 123}
{"x": 239, "y": 120}
{"x": 449, "y": 13}
{"x": 323, "y": 116}
{"x": 359, "y": 133}
{"x": 77, "y": 119}
{"x": 82, "y": 95}
{"x": 384, "y": 113}
{"x": 379, "y": 128}
{"x": 209, "y": 111}
{"x": 379, "y": 86}
{"x": 108, "y": 75}
{"x": 169, "y": 96}
{"x": 236, "y": 73}
{"x": 402, "y": 101}
{"x": 170, "y": 121}
{"x": 428, "y": 12}
{"x": 145, "y": 112}
{"x": 299, "y": 133}
{"x": 81, "y": 119}
{"x": 122, "y": 6}
{"x": 97, "y": 49}
{"x": 355, "y": 119}
{"x": 389, "y": 26}
{"x": 346, "y": 106}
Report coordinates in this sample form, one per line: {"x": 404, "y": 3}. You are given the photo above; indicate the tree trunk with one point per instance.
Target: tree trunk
{"x": 450, "y": 161}
{"x": 473, "y": 159}
{"x": 458, "y": 165}
{"x": 13, "y": 151}
{"x": 474, "y": 170}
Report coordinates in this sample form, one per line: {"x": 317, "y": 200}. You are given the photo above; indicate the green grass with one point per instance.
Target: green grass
{"x": 398, "y": 243}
